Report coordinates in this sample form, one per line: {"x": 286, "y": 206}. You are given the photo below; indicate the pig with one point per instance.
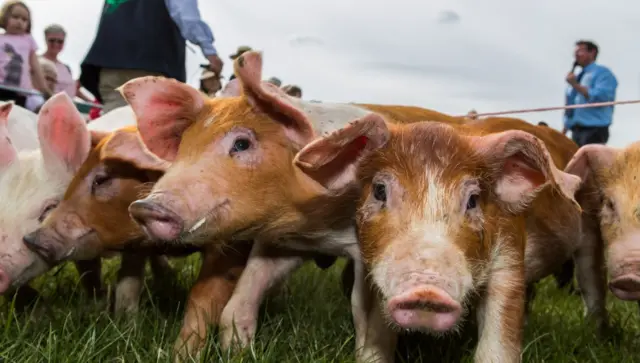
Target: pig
{"x": 92, "y": 219}
{"x": 33, "y": 181}
{"x": 236, "y": 156}
{"x": 442, "y": 223}
{"x": 21, "y": 125}
{"x": 614, "y": 173}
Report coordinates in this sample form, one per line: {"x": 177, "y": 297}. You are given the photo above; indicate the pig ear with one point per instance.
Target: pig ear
{"x": 126, "y": 145}
{"x": 97, "y": 136}
{"x": 332, "y": 160}
{"x": 8, "y": 152}
{"x": 5, "y": 110}
{"x": 272, "y": 100}
{"x": 164, "y": 109}
{"x": 591, "y": 158}
{"x": 64, "y": 138}
{"x": 523, "y": 168}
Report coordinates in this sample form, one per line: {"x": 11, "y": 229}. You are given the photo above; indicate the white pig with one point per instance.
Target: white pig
{"x": 39, "y": 155}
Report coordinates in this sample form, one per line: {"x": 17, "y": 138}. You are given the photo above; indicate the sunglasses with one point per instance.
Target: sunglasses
{"x": 56, "y": 40}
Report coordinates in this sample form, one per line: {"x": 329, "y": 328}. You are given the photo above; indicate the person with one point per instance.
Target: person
{"x": 275, "y": 81}
{"x": 138, "y": 38}
{"x": 50, "y": 71}
{"x": 293, "y": 90}
{"x": 55, "y": 36}
{"x": 595, "y": 83}
{"x": 542, "y": 123}
{"x": 18, "y": 59}
{"x": 210, "y": 83}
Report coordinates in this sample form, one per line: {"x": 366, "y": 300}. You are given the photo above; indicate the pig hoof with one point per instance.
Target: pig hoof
{"x": 238, "y": 338}
{"x": 626, "y": 287}
{"x": 428, "y": 307}
{"x": 187, "y": 350}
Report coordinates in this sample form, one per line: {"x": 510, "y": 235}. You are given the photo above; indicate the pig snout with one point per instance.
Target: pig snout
{"x": 157, "y": 221}
{"x": 623, "y": 262}
{"x": 626, "y": 287}
{"x": 425, "y": 307}
{"x": 5, "y": 281}
{"x": 39, "y": 246}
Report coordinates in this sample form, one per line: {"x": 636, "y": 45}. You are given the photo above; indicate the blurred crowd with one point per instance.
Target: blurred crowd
{"x": 154, "y": 43}
{"x": 29, "y": 77}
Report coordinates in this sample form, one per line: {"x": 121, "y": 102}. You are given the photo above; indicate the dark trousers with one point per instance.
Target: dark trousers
{"x": 582, "y": 135}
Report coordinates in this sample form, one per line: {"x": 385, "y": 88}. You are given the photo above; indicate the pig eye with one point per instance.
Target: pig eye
{"x": 472, "y": 202}
{"x": 46, "y": 211}
{"x": 99, "y": 180}
{"x": 380, "y": 192}
{"x": 241, "y": 144}
{"x": 609, "y": 204}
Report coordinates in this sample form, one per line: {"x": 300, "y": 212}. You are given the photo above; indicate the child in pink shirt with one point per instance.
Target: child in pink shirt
{"x": 18, "y": 50}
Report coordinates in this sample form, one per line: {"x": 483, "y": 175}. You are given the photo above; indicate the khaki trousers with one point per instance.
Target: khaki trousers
{"x": 110, "y": 79}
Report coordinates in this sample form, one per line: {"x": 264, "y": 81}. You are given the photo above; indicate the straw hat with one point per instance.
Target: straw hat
{"x": 241, "y": 49}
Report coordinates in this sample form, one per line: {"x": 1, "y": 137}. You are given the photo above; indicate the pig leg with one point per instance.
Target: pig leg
{"x": 589, "y": 259}
{"x": 361, "y": 300}
{"x": 217, "y": 280}
{"x": 130, "y": 282}
{"x": 91, "y": 276}
{"x": 501, "y": 313}
{"x": 264, "y": 270}
{"x": 161, "y": 268}
{"x": 379, "y": 340}
{"x": 531, "y": 295}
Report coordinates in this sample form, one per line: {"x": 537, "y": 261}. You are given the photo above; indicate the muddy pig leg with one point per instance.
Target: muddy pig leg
{"x": 564, "y": 277}
{"x": 90, "y": 272}
{"x": 130, "y": 282}
{"x": 589, "y": 259}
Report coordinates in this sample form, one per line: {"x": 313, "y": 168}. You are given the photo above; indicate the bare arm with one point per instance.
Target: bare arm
{"x": 81, "y": 95}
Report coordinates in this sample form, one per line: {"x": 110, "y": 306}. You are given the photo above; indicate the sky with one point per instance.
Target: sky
{"x": 447, "y": 55}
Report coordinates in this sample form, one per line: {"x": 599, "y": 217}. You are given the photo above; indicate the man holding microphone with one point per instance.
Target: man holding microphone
{"x": 593, "y": 84}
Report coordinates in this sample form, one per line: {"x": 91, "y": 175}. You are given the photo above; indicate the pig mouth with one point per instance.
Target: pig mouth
{"x": 51, "y": 250}
{"x": 626, "y": 287}
{"x": 425, "y": 308}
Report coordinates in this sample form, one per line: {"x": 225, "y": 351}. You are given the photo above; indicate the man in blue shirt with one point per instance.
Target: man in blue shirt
{"x": 595, "y": 83}
{"x": 138, "y": 38}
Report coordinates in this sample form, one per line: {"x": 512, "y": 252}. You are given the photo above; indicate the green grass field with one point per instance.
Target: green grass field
{"x": 309, "y": 322}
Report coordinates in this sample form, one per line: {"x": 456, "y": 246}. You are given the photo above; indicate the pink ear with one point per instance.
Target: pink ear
{"x": 331, "y": 160}
{"x": 591, "y": 158}
{"x": 271, "y": 99}
{"x": 63, "y": 133}
{"x": 126, "y": 145}
{"x": 523, "y": 168}
{"x": 8, "y": 152}
{"x": 232, "y": 89}
{"x": 164, "y": 109}
{"x": 5, "y": 110}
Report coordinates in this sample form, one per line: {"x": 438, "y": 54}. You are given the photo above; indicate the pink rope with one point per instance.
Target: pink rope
{"x": 586, "y": 105}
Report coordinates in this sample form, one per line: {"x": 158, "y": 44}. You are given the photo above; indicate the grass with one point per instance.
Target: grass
{"x": 310, "y": 322}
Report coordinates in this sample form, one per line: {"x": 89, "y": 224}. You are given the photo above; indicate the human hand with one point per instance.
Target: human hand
{"x": 571, "y": 79}
{"x": 215, "y": 63}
